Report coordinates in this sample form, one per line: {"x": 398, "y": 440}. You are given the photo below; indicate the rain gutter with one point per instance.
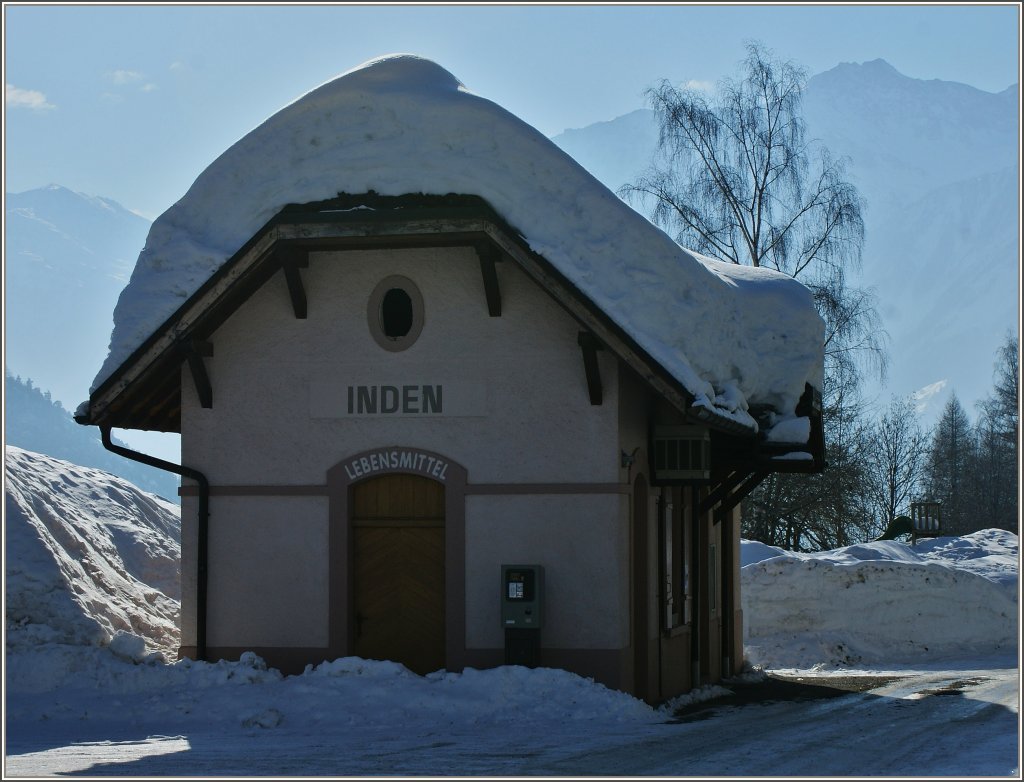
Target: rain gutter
{"x": 203, "y": 526}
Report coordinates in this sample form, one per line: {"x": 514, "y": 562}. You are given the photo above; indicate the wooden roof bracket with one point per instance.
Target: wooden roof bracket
{"x": 194, "y": 352}
{"x": 731, "y": 492}
{"x": 489, "y": 255}
{"x": 292, "y": 259}
{"x": 590, "y": 345}
{"x": 751, "y": 482}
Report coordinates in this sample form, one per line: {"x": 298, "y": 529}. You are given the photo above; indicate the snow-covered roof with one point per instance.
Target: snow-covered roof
{"x": 732, "y": 336}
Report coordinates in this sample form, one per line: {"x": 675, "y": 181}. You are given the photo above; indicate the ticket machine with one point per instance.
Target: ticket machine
{"x": 522, "y": 613}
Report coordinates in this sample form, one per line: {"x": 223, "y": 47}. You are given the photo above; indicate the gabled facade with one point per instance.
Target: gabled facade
{"x": 384, "y": 400}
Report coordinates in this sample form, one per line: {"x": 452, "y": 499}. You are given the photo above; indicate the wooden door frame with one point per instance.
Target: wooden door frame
{"x": 640, "y": 518}
{"x": 378, "y": 462}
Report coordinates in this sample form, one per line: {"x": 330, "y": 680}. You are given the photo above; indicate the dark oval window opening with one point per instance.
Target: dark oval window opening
{"x": 396, "y": 313}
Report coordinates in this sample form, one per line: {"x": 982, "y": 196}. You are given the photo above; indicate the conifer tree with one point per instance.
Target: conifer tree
{"x": 950, "y": 469}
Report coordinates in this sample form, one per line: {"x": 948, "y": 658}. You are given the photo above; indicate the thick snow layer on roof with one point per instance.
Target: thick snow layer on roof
{"x": 733, "y": 336}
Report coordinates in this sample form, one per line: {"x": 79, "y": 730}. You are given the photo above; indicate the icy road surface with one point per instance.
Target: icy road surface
{"x": 961, "y": 721}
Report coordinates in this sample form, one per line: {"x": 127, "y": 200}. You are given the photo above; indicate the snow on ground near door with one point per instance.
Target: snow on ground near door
{"x": 106, "y": 705}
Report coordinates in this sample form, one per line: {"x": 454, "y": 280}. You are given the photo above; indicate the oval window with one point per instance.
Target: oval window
{"x": 395, "y": 313}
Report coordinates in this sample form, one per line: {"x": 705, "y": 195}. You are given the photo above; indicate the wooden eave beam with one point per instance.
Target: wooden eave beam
{"x": 292, "y": 259}
{"x": 194, "y": 353}
{"x": 590, "y": 345}
{"x": 489, "y": 256}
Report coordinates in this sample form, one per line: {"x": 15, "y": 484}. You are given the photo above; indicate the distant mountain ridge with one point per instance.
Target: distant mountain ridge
{"x": 35, "y": 422}
{"x": 935, "y": 160}
{"x": 901, "y": 131}
{"x": 67, "y": 257}
{"x": 937, "y": 163}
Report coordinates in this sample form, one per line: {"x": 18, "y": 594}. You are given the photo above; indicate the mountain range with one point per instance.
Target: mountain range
{"x": 67, "y": 257}
{"x": 936, "y": 161}
{"x": 36, "y": 422}
{"x": 937, "y": 164}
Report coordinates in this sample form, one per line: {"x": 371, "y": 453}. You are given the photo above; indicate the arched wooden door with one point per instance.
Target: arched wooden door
{"x": 398, "y": 571}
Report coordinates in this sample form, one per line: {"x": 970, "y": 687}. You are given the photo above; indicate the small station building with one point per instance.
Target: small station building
{"x": 410, "y": 434}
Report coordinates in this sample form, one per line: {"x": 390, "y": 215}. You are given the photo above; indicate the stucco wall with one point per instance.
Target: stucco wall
{"x": 258, "y": 601}
{"x": 580, "y": 540}
{"x": 189, "y": 544}
{"x": 634, "y": 408}
{"x": 538, "y": 425}
{"x": 520, "y": 414}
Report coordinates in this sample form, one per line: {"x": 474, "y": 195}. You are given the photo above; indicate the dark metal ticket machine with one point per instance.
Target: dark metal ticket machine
{"x": 522, "y": 613}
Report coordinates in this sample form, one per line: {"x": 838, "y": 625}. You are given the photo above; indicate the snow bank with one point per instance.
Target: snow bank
{"x": 881, "y": 602}
{"x": 90, "y": 559}
{"x": 731, "y": 335}
{"x": 345, "y": 692}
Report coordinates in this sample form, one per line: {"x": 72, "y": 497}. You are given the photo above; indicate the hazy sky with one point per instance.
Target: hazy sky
{"x": 132, "y": 102}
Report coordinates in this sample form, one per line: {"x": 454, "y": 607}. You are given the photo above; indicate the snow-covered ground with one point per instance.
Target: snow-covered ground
{"x": 88, "y": 555}
{"x": 105, "y": 703}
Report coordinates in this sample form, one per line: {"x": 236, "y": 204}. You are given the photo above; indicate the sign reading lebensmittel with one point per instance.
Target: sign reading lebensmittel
{"x": 396, "y": 460}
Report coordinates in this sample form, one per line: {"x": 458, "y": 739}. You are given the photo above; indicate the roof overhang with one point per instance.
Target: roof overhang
{"x": 144, "y": 392}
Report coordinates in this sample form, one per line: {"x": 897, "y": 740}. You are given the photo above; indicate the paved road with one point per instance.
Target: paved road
{"x": 960, "y": 723}
{"x": 956, "y": 723}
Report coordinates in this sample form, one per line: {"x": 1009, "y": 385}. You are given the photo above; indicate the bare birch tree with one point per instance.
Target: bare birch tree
{"x": 737, "y": 178}
{"x": 894, "y": 472}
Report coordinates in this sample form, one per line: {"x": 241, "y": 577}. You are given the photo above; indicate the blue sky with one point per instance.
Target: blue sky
{"x": 132, "y": 102}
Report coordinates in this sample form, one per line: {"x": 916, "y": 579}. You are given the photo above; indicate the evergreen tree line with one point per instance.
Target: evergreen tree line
{"x": 878, "y": 466}
{"x": 37, "y": 422}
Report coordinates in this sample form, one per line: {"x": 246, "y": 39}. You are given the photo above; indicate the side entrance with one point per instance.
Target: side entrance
{"x": 398, "y": 570}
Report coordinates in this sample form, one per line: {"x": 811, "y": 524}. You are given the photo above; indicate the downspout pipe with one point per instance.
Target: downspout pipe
{"x": 203, "y": 526}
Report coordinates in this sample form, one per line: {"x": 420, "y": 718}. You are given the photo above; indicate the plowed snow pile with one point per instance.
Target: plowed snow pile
{"x": 881, "y": 602}
{"x": 90, "y": 559}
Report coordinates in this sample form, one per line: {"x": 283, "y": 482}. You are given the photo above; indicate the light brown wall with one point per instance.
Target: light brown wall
{"x": 538, "y": 427}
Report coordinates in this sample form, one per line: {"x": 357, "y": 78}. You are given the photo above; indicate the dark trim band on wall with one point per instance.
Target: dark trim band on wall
{"x": 258, "y": 491}
{"x": 547, "y": 488}
{"x": 472, "y": 488}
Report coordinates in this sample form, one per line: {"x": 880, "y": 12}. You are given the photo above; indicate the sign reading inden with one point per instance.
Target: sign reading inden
{"x": 388, "y": 397}
{"x": 387, "y": 400}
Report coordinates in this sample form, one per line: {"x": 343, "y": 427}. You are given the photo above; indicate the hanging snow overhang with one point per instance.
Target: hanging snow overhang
{"x": 144, "y": 392}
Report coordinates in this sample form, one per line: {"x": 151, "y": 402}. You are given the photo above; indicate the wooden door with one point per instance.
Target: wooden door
{"x": 641, "y": 598}
{"x": 398, "y": 571}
